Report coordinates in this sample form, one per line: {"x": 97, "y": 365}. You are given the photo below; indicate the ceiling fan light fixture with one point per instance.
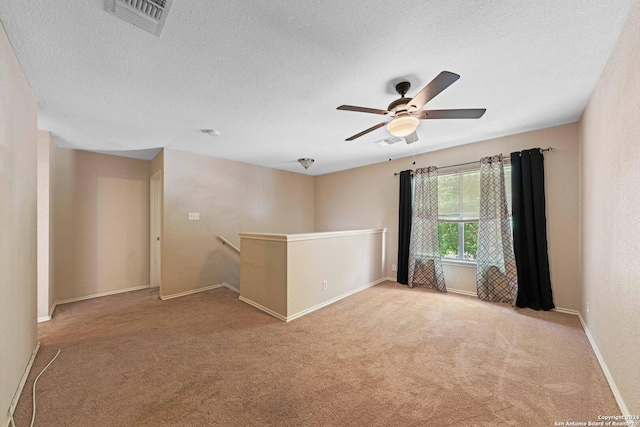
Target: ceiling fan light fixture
{"x": 403, "y": 126}
{"x": 306, "y": 162}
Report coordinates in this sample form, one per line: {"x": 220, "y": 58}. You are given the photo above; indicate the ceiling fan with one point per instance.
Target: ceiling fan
{"x": 407, "y": 112}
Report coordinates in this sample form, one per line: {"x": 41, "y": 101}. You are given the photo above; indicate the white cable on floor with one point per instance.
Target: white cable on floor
{"x": 33, "y": 415}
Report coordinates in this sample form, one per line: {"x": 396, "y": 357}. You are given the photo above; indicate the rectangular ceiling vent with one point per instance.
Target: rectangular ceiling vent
{"x": 388, "y": 141}
{"x": 149, "y": 15}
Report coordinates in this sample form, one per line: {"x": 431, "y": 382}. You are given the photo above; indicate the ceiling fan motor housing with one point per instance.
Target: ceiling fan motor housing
{"x": 402, "y": 88}
{"x": 399, "y": 105}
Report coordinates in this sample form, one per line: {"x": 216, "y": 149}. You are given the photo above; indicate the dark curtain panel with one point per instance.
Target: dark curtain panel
{"x": 530, "y": 230}
{"x": 404, "y": 227}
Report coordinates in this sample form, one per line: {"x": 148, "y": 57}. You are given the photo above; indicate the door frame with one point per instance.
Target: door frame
{"x": 155, "y": 229}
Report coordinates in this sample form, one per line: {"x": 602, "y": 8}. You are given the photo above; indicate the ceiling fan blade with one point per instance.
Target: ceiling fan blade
{"x": 430, "y": 91}
{"x": 411, "y": 138}
{"x": 471, "y": 113}
{"x": 362, "y": 109}
{"x": 364, "y": 132}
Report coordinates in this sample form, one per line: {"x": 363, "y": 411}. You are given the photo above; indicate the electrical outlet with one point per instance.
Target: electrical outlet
{"x": 394, "y": 267}
{"x": 194, "y": 216}
{"x": 587, "y": 308}
{"x": 324, "y": 285}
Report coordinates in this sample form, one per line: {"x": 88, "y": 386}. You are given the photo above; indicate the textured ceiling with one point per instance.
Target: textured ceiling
{"x": 270, "y": 74}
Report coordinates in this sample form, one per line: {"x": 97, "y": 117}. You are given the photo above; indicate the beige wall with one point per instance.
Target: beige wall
{"x": 230, "y": 197}
{"x": 367, "y": 197}
{"x": 285, "y": 275}
{"x": 263, "y": 275}
{"x": 610, "y": 225}
{"x": 348, "y": 263}
{"x": 18, "y": 244}
{"x": 46, "y": 215}
{"x": 101, "y": 223}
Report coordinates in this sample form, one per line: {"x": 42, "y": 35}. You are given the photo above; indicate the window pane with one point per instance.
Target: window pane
{"x": 448, "y": 233}
{"x": 470, "y": 240}
{"x": 470, "y": 195}
{"x": 448, "y": 199}
{"x": 507, "y": 186}
{"x": 459, "y": 195}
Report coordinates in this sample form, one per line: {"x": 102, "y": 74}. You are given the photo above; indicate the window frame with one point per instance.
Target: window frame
{"x": 461, "y": 222}
{"x": 460, "y": 259}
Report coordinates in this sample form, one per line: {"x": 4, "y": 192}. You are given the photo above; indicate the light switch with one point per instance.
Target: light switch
{"x": 194, "y": 216}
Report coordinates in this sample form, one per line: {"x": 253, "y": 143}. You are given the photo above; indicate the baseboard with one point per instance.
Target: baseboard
{"x": 475, "y": 295}
{"x": 463, "y": 292}
{"x": 192, "y": 291}
{"x": 101, "y": 294}
{"x": 332, "y": 300}
{"x": 311, "y": 309}
{"x": 23, "y": 381}
{"x": 594, "y": 346}
{"x": 605, "y": 369}
{"x": 50, "y": 316}
{"x": 233, "y": 288}
{"x": 263, "y": 308}
{"x": 453, "y": 291}
{"x": 566, "y": 310}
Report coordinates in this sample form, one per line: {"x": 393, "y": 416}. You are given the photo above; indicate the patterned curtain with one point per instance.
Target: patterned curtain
{"x": 425, "y": 268}
{"x": 496, "y": 274}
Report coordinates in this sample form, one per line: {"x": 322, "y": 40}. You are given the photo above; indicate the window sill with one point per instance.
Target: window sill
{"x": 459, "y": 262}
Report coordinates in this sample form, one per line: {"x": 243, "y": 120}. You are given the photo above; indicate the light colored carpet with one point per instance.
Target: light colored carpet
{"x": 387, "y": 356}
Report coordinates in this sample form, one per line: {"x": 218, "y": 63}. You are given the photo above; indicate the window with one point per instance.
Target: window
{"x": 458, "y": 209}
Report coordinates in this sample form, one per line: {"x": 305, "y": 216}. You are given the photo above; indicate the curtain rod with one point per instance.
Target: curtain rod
{"x": 470, "y": 163}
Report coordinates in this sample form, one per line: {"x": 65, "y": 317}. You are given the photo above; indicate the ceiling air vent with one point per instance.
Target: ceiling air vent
{"x": 146, "y": 14}
{"x": 388, "y": 141}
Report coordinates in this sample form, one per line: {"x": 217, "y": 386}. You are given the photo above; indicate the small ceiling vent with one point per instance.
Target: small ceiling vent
{"x": 149, "y": 15}
{"x": 388, "y": 141}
